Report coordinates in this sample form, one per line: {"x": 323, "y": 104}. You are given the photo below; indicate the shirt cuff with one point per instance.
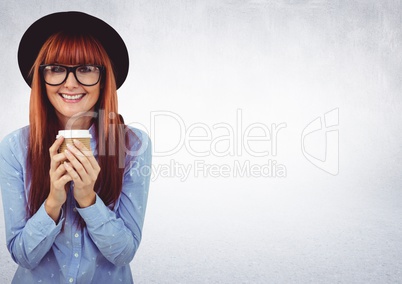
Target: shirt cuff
{"x": 44, "y": 224}
{"x": 95, "y": 215}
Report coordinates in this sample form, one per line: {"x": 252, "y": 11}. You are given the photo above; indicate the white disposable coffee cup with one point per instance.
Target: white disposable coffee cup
{"x": 81, "y": 135}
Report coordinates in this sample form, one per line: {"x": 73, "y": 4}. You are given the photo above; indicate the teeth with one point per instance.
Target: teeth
{"x": 76, "y": 97}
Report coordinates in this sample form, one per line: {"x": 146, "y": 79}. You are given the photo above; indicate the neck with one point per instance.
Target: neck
{"x": 81, "y": 121}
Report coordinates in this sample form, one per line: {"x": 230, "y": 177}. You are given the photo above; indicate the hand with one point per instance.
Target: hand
{"x": 58, "y": 179}
{"x": 84, "y": 170}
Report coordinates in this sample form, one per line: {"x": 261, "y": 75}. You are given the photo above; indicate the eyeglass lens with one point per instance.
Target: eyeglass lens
{"x": 85, "y": 74}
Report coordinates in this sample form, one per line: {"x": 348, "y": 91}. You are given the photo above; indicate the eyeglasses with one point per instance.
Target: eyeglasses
{"x": 87, "y": 75}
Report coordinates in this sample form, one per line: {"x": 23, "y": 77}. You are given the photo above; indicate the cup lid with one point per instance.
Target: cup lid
{"x": 74, "y": 133}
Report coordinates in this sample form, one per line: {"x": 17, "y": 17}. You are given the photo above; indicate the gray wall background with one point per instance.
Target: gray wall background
{"x": 278, "y": 62}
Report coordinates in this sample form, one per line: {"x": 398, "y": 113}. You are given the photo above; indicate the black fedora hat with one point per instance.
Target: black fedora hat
{"x": 71, "y": 22}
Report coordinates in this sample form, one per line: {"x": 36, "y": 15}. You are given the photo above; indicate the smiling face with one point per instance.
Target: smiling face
{"x": 71, "y": 98}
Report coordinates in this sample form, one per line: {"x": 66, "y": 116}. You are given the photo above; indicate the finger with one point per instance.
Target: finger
{"x": 77, "y": 165}
{"x": 85, "y": 163}
{"x": 62, "y": 181}
{"x": 53, "y": 151}
{"x": 88, "y": 153}
{"x": 81, "y": 156}
{"x": 73, "y": 174}
{"x": 55, "y": 161}
{"x": 56, "y": 145}
{"x": 57, "y": 176}
{"x": 60, "y": 177}
{"x": 58, "y": 173}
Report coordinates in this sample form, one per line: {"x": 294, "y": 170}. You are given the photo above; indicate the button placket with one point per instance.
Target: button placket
{"x": 75, "y": 238}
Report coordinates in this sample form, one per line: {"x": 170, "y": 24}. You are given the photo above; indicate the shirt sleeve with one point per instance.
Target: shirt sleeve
{"x": 117, "y": 233}
{"x": 28, "y": 240}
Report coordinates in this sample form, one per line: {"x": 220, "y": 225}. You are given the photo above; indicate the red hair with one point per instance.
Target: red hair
{"x": 72, "y": 49}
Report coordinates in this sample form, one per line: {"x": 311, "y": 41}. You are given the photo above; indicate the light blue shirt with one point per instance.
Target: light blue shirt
{"x": 100, "y": 252}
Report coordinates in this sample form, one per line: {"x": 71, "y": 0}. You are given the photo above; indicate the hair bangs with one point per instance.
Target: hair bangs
{"x": 73, "y": 49}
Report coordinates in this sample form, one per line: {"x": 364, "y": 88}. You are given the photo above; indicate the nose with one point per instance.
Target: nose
{"x": 71, "y": 82}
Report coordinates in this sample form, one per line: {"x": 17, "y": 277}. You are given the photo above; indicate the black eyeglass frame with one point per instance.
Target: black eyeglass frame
{"x": 72, "y": 69}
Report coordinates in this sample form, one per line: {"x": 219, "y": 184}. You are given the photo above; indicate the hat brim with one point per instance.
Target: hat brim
{"x": 36, "y": 35}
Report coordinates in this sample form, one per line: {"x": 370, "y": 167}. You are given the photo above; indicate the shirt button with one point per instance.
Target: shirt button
{"x": 75, "y": 209}
{"x": 76, "y": 235}
{"x": 71, "y": 280}
{"x": 76, "y": 254}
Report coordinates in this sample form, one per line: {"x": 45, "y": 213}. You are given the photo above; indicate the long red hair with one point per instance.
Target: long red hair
{"x": 73, "y": 49}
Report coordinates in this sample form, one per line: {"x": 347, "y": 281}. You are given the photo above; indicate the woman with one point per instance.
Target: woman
{"x": 74, "y": 216}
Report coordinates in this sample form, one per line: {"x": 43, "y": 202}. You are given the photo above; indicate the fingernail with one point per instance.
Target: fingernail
{"x": 66, "y": 165}
{"x": 76, "y": 141}
{"x": 67, "y": 152}
{"x": 69, "y": 146}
